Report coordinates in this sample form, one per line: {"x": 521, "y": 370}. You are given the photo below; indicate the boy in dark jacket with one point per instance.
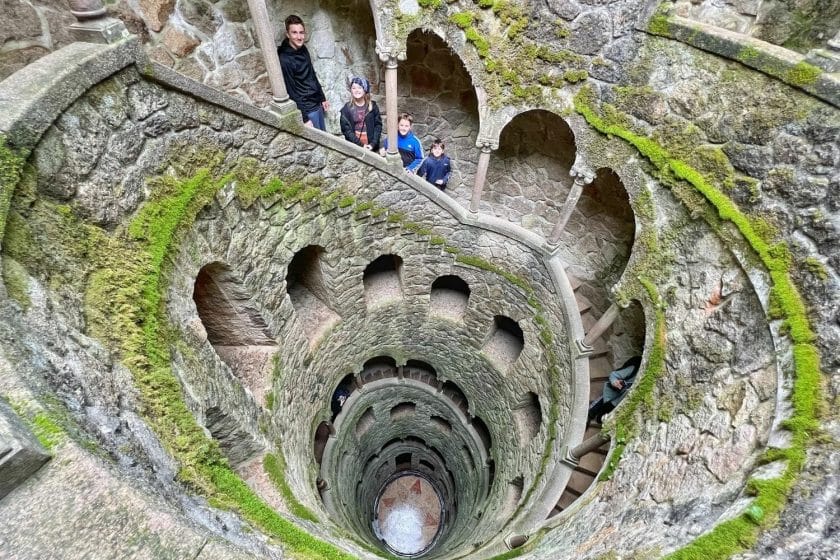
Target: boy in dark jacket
{"x": 436, "y": 168}
{"x": 301, "y": 82}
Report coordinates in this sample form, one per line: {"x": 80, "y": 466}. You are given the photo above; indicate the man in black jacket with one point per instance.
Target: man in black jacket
{"x": 299, "y": 75}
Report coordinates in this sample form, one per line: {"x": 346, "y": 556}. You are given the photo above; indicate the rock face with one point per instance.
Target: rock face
{"x": 277, "y": 294}
{"x": 21, "y": 455}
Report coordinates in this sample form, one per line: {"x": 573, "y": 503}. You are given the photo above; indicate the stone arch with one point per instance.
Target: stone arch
{"x": 449, "y": 297}
{"x": 437, "y": 89}
{"x": 309, "y": 294}
{"x": 528, "y": 176}
{"x": 505, "y": 342}
{"x": 527, "y": 416}
{"x": 235, "y": 328}
{"x": 382, "y": 280}
{"x": 604, "y": 214}
{"x": 379, "y": 367}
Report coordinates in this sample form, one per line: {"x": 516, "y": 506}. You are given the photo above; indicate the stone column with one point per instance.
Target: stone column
{"x": 265, "y": 38}
{"x": 585, "y": 346}
{"x": 391, "y": 55}
{"x": 93, "y": 24}
{"x": 571, "y": 457}
{"x": 481, "y": 173}
{"x": 572, "y": 198}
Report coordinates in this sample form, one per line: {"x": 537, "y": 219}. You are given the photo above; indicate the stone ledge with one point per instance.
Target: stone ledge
{"x": 35, "y": 95}
{"x": 770, "y": 59}
{"x": 21, "y": 455}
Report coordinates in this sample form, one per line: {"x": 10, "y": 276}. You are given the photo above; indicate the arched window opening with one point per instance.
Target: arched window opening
{"x": 402, "y": 410}
{"x": 322, "y": 434}
{"x": 341, "y": 393}
{"x": 235, "y": 328}
{"x": 365, "y": 423}
{"x": 441, "y": 424}
{"x": 402, "y": 462}
{"x": 536, "y": 152}
{"x": 308, "y": 293}
{"x": 236, "y": 443}
{"x": 512, "y": 495}
{"x": 449, "y": 297}
{"x": 437, "y": 86}
{"x": 382, "y": 280}
{"x": 483, "y": 433}
{"x": 505, "y": 342}
{"x": 420, "y": 371}
{"x": 458, "y": 398}
{"x": 527, "y": 415}
{"x": 380, "y": 367}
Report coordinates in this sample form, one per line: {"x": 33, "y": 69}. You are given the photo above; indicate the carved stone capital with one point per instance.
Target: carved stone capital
{"x": 391, "y": 54}
{"x": 582, "y": 176}
{"x": 486, "y": 146}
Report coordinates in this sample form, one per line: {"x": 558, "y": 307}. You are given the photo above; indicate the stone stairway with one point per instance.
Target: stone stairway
{"x": 600, "y": 365}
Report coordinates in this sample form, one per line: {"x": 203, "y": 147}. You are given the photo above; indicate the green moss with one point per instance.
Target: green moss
{"x": 482, "y": 46}
{"x": 346, "y": 201}
{"x": 815, "y": 267}
{"x": 47, "y": 430}
{"x": 741, "y": 532}
{"x": 124, "y": 307}
{"x": 561, "y": 30}
{"x": 802, "y": 74}
{"x": 436, "y": 240}
{"x": 485, "y": 3}
{"x": 430, "y": 4}
{"x": 269, "y": 400}
{"x": 11, "y": 167}
{"x": 17, "y": 282}
{"x": 659, "y": 25}
{"x": 275, "y": 467}
{"x": 575, "y": 76}
{"x": 748, "y": 54}
{"x": 464, "y": 20}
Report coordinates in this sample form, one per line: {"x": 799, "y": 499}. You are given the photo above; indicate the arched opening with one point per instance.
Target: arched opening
{"x": 380, "y": 367}
{"x": 602, "y": 229}
{"x": 420, "y": 371}
{"x": 437, "y": 90}
{"x": 308, "y": 293}
{"x": 504, "y": 343}
{"x": 449, "y": 297}
{"x": 528, "y": 177}
{"x": 235, "y": 328}
{"x": 527, "y": 414}
{"x": 382, "y": 280}
{"x": 483, "y": 433}
{"x": 402, "y": 410}
{"x": 322, "y": 434}
{"x": 457, "y": 396}
{"x": 341, "y": 393}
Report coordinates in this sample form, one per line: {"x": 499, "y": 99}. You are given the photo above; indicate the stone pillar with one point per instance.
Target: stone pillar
{"x": 571, "y": 457}
{"x": 572, "y": 198}
{"x": 93, "y": 24}
{"x": 391, "y": 55}
{"x": 607, "y": 319}
{"x": 265, "y": 38}
{"x": 481, "y": 173}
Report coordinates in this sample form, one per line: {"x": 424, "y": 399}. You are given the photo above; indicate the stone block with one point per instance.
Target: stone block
{"x": 156, "y": 12}
{"x": 21, "y": 455}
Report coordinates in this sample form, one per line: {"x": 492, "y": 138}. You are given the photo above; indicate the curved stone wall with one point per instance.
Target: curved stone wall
{"x": 708, "y": 424}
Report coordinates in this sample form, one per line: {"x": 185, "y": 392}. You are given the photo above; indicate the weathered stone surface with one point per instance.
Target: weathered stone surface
{"x": 590, "y": 32}
{"x": 201, "y": 15}
{"x": 179, "y": 43}
{"x": 156, "y": 12}
{"x": 21, "y": 21}
{"x": 566, "y": 9}
{"x": 21, "y": 455}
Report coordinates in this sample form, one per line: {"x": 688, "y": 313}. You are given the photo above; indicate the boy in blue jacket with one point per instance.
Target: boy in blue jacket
{"x": 436, "y": 168}
{"x": 408, "y": 145}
